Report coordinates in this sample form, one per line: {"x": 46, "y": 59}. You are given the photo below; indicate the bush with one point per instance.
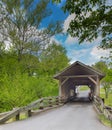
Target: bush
{"x": 20, "y": 89}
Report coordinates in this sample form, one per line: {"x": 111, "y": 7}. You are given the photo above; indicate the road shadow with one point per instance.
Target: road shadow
{"x": 84, "y": 100}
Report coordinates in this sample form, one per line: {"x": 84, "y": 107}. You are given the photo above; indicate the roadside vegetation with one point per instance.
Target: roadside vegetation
{"x": 106, "y": 89}
{"x": 25, "y": 81}
{"x": 106, "y": 82}
{"x": 83, "y": 88}
{"x": 29, "y": 58}
{"x": 105, "y": 121}
{"x": 108, "y": 101}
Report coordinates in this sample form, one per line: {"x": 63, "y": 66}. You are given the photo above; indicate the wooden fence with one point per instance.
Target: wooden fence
{"x": 101, "y": 108}
{"x": 39, "y": 105}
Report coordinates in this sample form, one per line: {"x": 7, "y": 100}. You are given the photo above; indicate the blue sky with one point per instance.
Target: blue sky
{"x": 86, "y": 52}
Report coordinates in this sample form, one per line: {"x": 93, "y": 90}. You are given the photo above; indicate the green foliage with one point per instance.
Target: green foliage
{"x": 28, "y": 65}
{"x": 101, "y": 66}
{"x": 84, "y": 88}
{"x": 21, "y": 89}
{"x": 2, "y": 48}
{"x": 108, "y": 101}
{"x": 18, "y": 89}
{"x": 21, "y": 27}
{"x": 107, "y": 80}
{"x": 23, "y": 13}
{"x": 31, "y": 78}
{"x": 56, "y": 1}
{"x": 92, "y": 19}
{"x": 53, "y": 59}
{"x": 105, "y": 121}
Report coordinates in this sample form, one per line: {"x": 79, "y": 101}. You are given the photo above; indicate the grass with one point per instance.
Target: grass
{"x": 105, "y": 121}
{"x": 108, "y": 101}
{"x": 22, "y": 117}
{"x": 83, "y": 88}
{"x": 102, "y": 90}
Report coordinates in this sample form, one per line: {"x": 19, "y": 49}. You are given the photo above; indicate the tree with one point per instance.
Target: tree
{"x": 107, "y": 83}
{"x": 21, "y": 22}
{"x": 107, "y": 80}
{"x": 102, "y": 66}
{"x": 18, "y": 84}
{"x": 2, "y": 48}
{"x": 92, "y": 19}
{"x": 53, "y": 59}
{"x": 27, "y": 44}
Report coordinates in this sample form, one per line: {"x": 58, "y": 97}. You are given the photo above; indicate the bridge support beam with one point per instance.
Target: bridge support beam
{"x": 98, "y": 87}
{"x": 62, "y": 90}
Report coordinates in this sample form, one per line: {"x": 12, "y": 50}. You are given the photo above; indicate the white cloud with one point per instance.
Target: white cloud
{"x": 67, "y": 22}
{"x": 88, "y": 55}
{"x": 53, "y": 39}
{"x": 97, "y": 53}
{"x": 7, "y": 44}
{"x": 96, "y": 41}
{"x": 70, "y": 18}
{"x": 79, "y": 55}
{"x": 74, "y": 40}
{"x": 71, "y": 40}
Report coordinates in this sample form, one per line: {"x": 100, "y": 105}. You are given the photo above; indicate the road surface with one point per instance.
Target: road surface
{"x": 72, "y": 116}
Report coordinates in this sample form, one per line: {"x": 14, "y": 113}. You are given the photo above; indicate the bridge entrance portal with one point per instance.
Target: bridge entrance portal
{"x": 76, "y": 75}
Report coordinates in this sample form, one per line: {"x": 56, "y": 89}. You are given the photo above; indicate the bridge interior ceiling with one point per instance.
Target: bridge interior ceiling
{"x": 79, "y": 81}
{"x": 72, "y": 83}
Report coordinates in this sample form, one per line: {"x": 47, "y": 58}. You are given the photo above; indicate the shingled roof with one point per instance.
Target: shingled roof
{"x": 78, "y": 68}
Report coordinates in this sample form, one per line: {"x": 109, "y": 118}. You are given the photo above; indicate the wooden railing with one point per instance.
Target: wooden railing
{"x": 39, "y": 105}
{"x": 101, "y": 108}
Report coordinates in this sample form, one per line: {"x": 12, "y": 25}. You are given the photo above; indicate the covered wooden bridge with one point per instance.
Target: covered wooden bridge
{"x": 78, "y": 74}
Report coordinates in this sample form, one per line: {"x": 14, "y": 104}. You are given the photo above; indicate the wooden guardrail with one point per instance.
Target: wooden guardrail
{"x": 101, "y": 108}
{"x": 41, "y": 104}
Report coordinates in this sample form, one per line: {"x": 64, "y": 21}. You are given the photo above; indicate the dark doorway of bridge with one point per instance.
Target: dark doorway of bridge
{"x": 83, "y": 93}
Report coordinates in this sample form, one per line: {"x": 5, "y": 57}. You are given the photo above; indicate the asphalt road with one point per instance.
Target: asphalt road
{"x": 72, "y": 116}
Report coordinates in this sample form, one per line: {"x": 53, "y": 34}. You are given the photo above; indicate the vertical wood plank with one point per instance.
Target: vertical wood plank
{"x": 17, "y": 116}
{"x": 98, "y": 86}
{"x": 60, "y": 91}
{"x": 29, "y": 113}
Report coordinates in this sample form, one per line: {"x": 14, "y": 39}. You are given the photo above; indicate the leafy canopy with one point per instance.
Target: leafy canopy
{"x": 20, "y": 24}
{"x": 107, "y": 80}
{"x": 92, "y": 19}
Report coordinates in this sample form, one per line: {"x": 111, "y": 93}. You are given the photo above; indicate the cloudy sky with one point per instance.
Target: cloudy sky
{"x": 87, "y": 52}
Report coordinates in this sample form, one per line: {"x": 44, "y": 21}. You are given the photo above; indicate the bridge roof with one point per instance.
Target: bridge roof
{"x": 79, "y": 70}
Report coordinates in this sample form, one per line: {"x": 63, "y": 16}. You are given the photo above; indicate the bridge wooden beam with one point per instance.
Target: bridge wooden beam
{"x": 64, "y": 81}
{"x": 79, "y": 76}
{"x": 61, "y": 89}
{"x": 95, "y": 82}
{"x": 98, "y": 86}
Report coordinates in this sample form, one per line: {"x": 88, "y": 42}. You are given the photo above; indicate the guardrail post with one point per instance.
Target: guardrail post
{"x": 41, "y": 106}
{"x": 50, "y": 102}
{"x": 29, "y": 113}
{"x": 17, "y": 116}
{"x": 57, "y": 101}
